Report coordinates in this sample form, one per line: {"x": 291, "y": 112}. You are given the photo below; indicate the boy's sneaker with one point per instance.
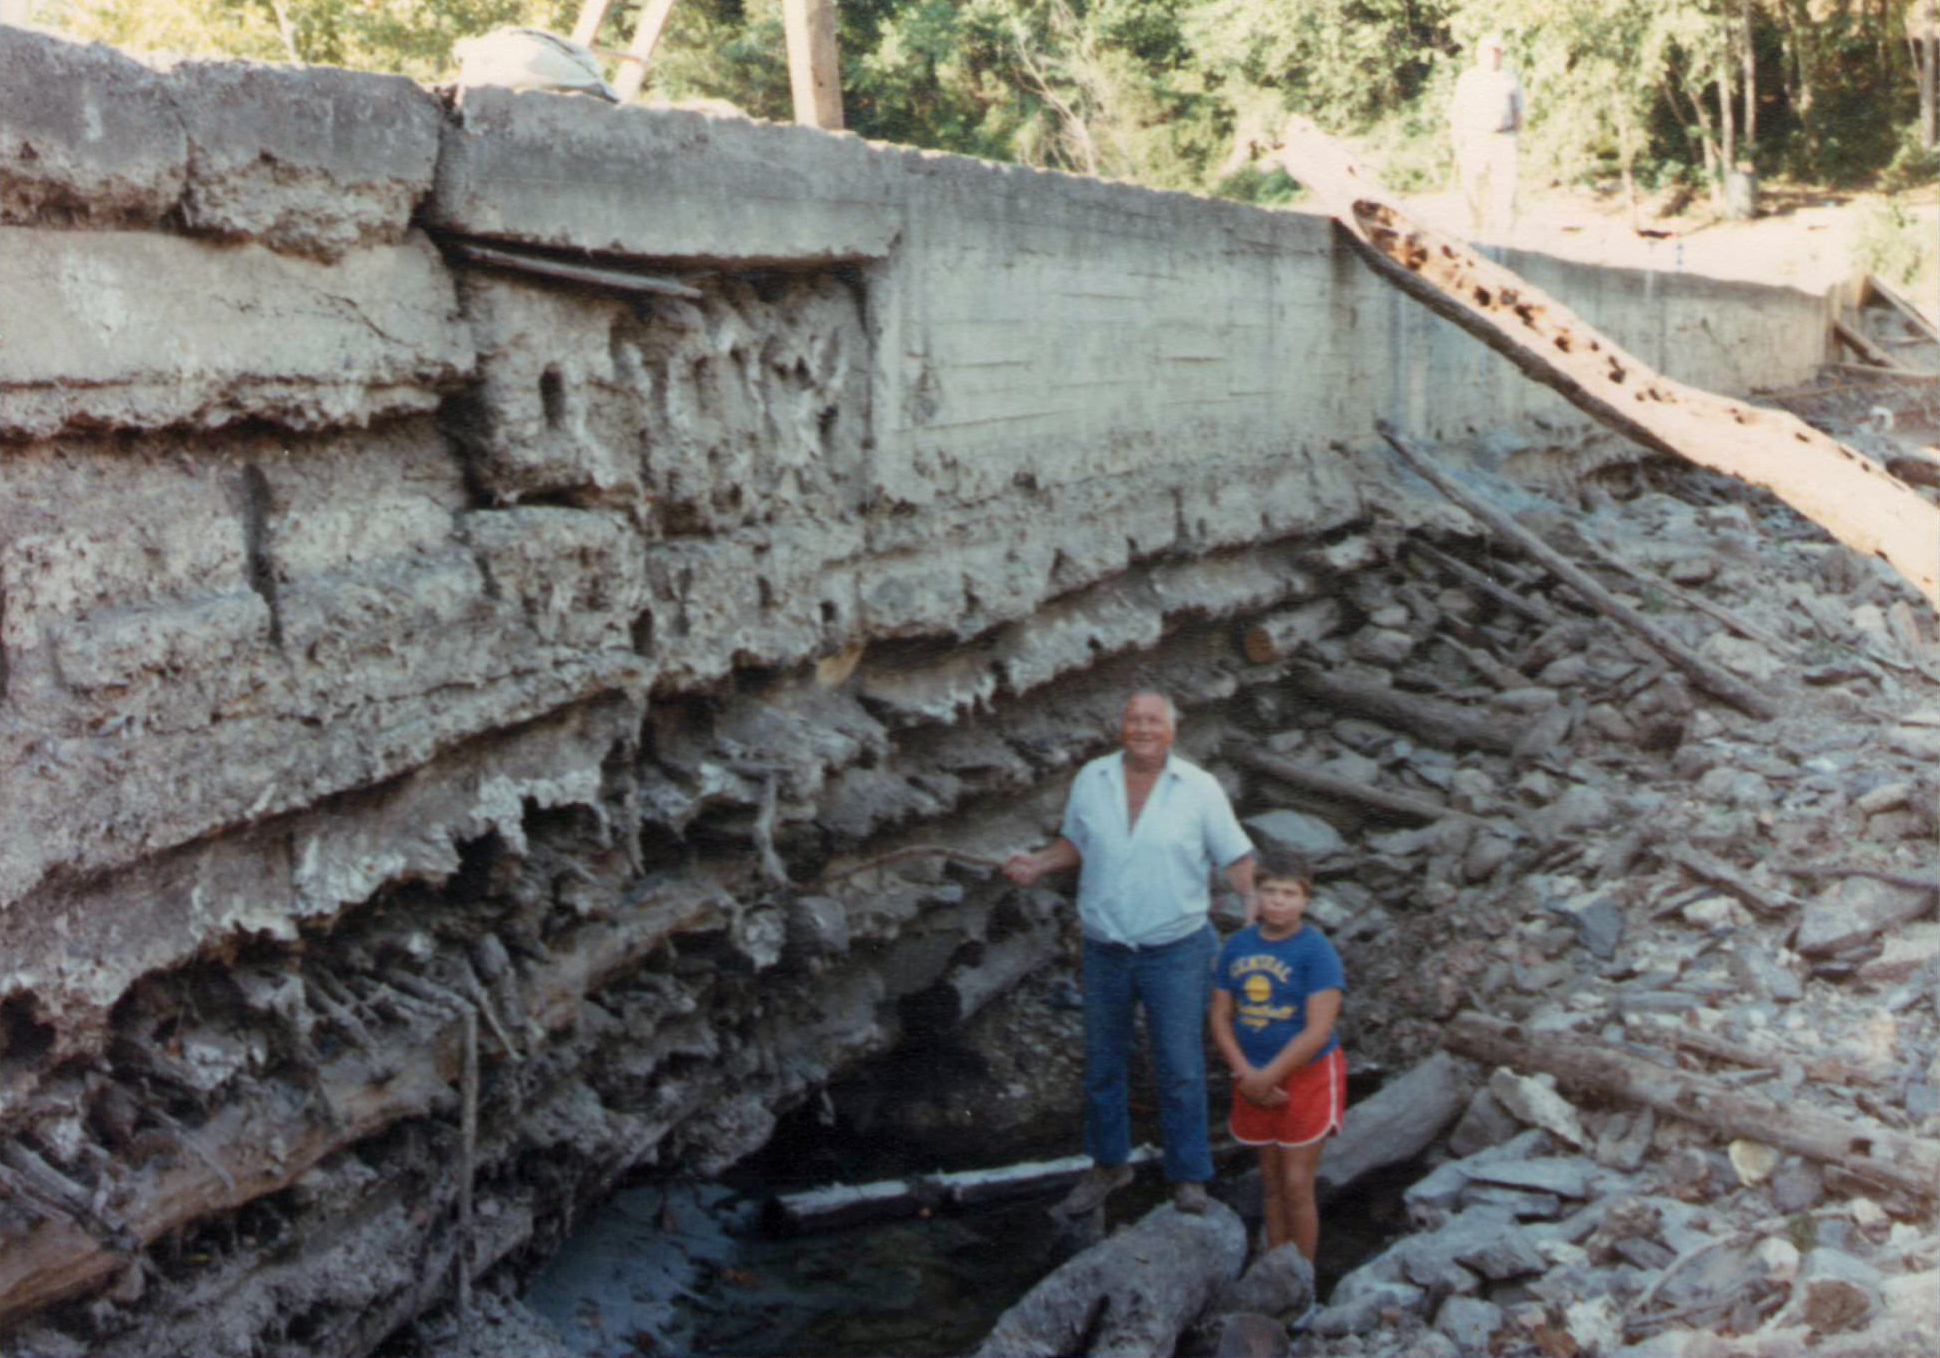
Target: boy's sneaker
{"x": 1190, "y": 1198}
{"x": 1093, "y": 1187}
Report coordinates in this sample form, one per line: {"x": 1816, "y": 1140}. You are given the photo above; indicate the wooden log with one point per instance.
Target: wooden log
{"x": 1908, "y": 1163}
{"x": 1771, "y": 902}
{"x": 1533, "y": 609}
{"x": 1442, "y": 723}
{"x": 1865, "y": 348}
{"x": 1857, "y": 502}
{"x": 1829, "y": 1069}
{"x": 1882, "y": 374}
{"x": 1905, "y": 879}
{"x": 809, "y": 29}
{"x": 1731, "y": 620}
{"x": 1133, "y": 1292}
{"x": 639, "y": 51}
{"x": 1343, "y": 789}
{"x": 1282, "y": 634}
{"x": 1713, "y": 678}
{"x": 1484, "y": 663}
{"x": 1905, "y": 306}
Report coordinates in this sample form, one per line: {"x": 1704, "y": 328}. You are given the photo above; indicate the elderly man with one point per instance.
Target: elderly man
{"x": 1145, "y": 828}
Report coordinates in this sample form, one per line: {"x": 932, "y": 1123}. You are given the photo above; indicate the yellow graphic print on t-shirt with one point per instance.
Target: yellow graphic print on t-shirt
{"x": 1254, "y": 1009}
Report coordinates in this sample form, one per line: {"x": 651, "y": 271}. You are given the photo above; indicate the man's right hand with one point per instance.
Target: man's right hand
{"x": 1023, "y": 868}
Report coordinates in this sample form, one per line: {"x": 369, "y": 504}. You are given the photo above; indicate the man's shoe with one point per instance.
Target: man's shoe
{"x": 1093, "y": 1187}
{"x": 1189, "y": 1198}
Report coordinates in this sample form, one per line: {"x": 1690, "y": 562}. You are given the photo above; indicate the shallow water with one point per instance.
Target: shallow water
{"x": 686, "y": 1269}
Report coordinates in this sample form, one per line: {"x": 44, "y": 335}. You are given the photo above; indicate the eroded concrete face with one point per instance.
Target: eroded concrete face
{"x": 381, "y": 637}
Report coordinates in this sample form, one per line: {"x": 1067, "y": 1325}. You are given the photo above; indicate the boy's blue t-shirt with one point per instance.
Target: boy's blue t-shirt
{"x": 1270, "y": 980}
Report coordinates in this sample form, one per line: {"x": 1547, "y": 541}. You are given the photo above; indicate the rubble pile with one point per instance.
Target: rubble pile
{"x": 1629, "y": 866}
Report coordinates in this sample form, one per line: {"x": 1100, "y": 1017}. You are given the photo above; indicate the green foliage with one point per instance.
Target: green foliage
{"x": 1895, "y": 243}
{"x": 1184, "y": 93}
{"x": 408, "y": 37}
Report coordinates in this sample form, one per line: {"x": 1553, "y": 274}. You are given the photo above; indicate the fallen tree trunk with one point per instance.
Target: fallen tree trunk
{"x": 1857, "y": 502}
{"x": 1908, "y": 1163}
{"x": 1442, "y": 723}
{"x": 1713, "y": 678}
{"x": 1132, "y": 1293}
{"x": 1343, "y": 789}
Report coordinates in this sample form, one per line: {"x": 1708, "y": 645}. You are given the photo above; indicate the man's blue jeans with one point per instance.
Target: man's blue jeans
{"x": 1175, "y": 983}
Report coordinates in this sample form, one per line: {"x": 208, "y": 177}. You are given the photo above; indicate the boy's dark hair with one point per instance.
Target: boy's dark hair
{"x": 1282, "y": 863}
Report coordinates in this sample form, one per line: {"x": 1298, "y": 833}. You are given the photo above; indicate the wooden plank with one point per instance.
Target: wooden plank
{"x": 1865, "y": 348}
{"x": 813, "y": 74}
{"x": 1912, "y": 310}
{"x": 1713, "y": 679}
{"x": 1869, "y": 510}
{"x": 639, "y": 52}
{"x": 591, "y": 15}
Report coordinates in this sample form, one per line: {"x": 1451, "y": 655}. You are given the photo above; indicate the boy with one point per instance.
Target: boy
{"x": 1277, "y": 994}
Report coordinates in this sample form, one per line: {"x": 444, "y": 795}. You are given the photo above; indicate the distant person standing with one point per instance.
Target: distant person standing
{"x": 1484, "y": 118}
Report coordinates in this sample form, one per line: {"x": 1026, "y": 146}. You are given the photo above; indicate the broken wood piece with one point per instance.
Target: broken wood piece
{"x": 1859, "y": 504}
{"x": 1905, "y": 306}
{"x": 1533, "y": 609}
{"x": 1282, "y": 634}
{"x": 1837, "y": 1070}
{"x": 1479, "y": 659}
{"x": 1905, "y": 879}
{"x": 1443, "y": 723}
{"x": 1580, "y": 1062}
{"x": 1134, "y": 1292}
{"x": 1880, "y": 376}
{"x": 1712, "y": 678}
{"x": 1770, "y": 902}
{"x": 1343, "y": 789}
{"x": 1602, "y": 552}
{"x": 1865, "y": 348}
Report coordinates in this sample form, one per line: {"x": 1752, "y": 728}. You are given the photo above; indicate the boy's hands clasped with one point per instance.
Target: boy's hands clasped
{"x": 1255, "y": 1086}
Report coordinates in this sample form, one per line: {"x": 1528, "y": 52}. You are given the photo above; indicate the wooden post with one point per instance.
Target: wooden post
{"x": 812, "y": 72}
{"x": 633, "y": 72}
{"x": 587, "y": 27}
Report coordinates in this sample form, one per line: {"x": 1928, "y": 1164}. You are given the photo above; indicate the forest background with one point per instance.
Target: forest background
{"x": 1652, "y": 101}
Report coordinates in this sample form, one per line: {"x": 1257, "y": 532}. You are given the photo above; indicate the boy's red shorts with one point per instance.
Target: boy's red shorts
{"x": 1316, "y": 1098}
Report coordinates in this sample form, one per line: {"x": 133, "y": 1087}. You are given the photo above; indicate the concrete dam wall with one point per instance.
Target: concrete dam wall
{"x": 388, "y": 633}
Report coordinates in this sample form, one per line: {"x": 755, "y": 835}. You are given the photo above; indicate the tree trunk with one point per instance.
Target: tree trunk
{"x": 1751, "y": 82}
{"x": 1928, "y": 43}
{"x": 1132, "y": 1293}
{"x": 1909, "y": 1163}
{"x": 1867, "y": 509}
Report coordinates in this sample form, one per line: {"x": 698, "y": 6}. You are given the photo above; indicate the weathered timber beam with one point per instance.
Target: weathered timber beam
{"x": 1908, "y": 1163}
{"x": 1344, "y": 789}
{"x": 1712, "y": 678}
{"x": 1850, "y": 496}
{"x": 257, "y": 1147}
{"x": 1865, "y": 348}
{"x": 1443, "y": 723}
